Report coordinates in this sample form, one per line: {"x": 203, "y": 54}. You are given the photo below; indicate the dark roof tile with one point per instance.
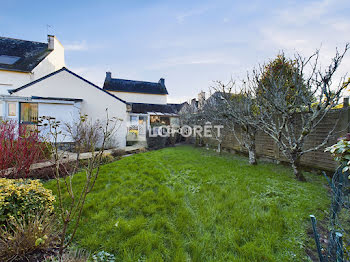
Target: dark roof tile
{"x": 123, "y": 85}
{"x": 30, "y": 53}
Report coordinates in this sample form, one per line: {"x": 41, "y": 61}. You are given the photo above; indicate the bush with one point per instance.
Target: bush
{"x": 19, "y": 197}
{"x": 117, "y": 153}
{"x": 156, "y": 142}
{"x": 25, "y": 239}
{"x": 107, "y": 158}
{"x": 19, "y": 149}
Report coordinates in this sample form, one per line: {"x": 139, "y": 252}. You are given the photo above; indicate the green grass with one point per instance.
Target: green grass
{"x": 188, "y": 204}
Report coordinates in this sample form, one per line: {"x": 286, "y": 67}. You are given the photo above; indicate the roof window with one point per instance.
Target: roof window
{"x": 8, "y": 60}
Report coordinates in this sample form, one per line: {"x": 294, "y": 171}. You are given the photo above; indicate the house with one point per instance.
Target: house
{"x": 65, "y": 95}
{"x": 23, "y": 61}
{"x": 147, "y": 102}
{"x": 35, "y": 83}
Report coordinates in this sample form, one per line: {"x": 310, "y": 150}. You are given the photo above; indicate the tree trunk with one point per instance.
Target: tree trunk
{"x": 252, "y": 156}
{"x": 250, "y": 144}
{"x": 297, "y": 170}
{"x": 219, "y": 148}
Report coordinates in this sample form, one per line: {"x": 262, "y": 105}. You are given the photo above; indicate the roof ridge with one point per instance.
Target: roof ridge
{"x": 4, "y": 37}
{"x": 135, "y": 80}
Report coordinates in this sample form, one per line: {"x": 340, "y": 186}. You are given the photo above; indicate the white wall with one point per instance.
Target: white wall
{"x": 141, "y": 98}
{"x": 94, "y": 103}
{"x": 53, "y": 62}
{"x": 65, "y": 113}
{"x": 11, "y": 80}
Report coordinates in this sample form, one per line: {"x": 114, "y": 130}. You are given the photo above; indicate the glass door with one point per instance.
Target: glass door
{"x": 29, "y": 115}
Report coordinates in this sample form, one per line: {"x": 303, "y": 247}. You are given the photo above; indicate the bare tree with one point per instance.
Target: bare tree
{"x": 292, "y": 105}
{"x": 71, "y": 207}
{"x": 239, "y": 114}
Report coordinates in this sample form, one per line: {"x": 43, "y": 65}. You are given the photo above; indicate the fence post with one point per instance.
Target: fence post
{"x": 317, "y": 238}
{"x": 339, "y": 246}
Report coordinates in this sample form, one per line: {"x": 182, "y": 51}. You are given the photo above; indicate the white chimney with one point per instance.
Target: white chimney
{"x": 51, "y": 42}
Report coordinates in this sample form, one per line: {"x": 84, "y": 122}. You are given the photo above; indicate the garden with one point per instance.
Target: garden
{"x": 194, "y": 202}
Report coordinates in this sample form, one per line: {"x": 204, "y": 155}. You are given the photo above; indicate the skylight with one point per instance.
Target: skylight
{"x": 8, "y": 60}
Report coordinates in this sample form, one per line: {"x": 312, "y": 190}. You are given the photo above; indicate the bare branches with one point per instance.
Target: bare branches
{"x": 293, "y": 101}
{"x": 87, "y": 136}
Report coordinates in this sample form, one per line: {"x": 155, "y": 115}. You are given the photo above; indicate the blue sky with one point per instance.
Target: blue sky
{"x": 189, "y": 43}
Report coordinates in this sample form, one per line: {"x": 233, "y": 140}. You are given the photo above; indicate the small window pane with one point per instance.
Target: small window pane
{"x": 29, "y": 112}
{"x": 12, "y": 108}
{"x": 133, "y": 120}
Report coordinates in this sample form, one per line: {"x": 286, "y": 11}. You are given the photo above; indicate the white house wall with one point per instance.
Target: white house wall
{"x": 53, "y": 62}
{"x": 65, "y": 113}
{"x": 12, "y": 79}
{"x": 95, "y": 102}
{"x": 141, "y": 98}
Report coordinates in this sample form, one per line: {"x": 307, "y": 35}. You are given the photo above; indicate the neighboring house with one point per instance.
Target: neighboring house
{"x": 194, "y": 105}
{"x": 148, "y": 104}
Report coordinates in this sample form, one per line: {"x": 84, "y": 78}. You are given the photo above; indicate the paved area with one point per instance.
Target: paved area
{"x": 69, "y": 156}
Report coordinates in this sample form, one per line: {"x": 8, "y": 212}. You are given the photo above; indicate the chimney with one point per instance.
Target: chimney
{"x": 108, "y": 76}
{"x": 162, "y": 82}
{"x": 201, "y": 99}
{"x": 194, "y": 102}
{"x": 50, "y": 42}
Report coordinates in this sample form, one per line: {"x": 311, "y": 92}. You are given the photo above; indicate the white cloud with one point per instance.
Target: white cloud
{"x": 76, "y": 46}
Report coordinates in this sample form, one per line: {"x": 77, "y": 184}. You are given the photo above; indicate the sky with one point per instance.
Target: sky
{"x": 189, "y": 43}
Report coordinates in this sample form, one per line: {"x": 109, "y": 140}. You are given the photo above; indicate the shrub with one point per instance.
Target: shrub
{"x": 341, "y": 152}
{"x": 23, "y": 238}
{"x": 155, "y": 142}
{"x": 19, "y": 197}
{"x": 19, "y": 149}
{"x": 107, "y": 158}
{"x": 117, "y": 153}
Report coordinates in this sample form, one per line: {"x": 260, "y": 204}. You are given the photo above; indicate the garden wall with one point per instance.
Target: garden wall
{"x": 267, "y": 148}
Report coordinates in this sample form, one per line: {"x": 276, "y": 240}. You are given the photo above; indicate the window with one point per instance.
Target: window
{"x": 8, "y": 60}
{"x": 133, "y": 120}
{"x": 12, "y": 108}
{"x": 29, "y": 113}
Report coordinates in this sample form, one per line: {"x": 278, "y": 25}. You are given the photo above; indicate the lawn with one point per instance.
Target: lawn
{"x": 189, "y": 204}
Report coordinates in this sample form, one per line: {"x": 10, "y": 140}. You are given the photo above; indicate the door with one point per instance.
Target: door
{"x": 29, "y": 116}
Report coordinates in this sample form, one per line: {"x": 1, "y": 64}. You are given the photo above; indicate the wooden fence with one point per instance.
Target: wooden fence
{"x": 267, "y": 148}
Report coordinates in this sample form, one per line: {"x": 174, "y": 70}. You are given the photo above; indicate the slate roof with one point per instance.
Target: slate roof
{"x": 133, "y": 86}
{"x": 30, "y": 53}
{"x": 141, "y": 108}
